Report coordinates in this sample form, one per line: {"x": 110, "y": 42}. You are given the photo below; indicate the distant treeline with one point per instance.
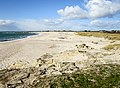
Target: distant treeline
{"x": 112, "y": 31}
{"x": 56, "y": 31}
{"x": 105, "y": 31}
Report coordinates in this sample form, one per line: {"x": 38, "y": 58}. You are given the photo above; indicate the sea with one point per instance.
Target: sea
{"x": 13, "y": 35}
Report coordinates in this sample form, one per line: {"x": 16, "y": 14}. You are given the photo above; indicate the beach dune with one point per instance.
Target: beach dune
{"x": 63, "y": 46}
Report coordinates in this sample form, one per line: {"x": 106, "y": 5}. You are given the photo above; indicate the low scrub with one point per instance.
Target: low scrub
{"x": 99, "y": 76}
{"x": 112, "y": 47}
{"x": 111, "y": 36}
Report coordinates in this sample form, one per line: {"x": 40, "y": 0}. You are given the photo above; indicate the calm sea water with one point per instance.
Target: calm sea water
{"x": 10, "y": 35}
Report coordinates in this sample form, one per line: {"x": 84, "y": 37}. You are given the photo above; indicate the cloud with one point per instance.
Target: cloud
{"x": 8, "y": 25}
{"x": 31, "y": 24}
{"x": 6, "y": 22}
{"x": 112, "y": 24}
{"x": 93, "y": 9}
{"x": 72, "y": 12}
{"x": 102, "y": 8}
{"x": 45, "y": 24}
{"x": 56, "y": 24}
{"x": 53, "y": 21}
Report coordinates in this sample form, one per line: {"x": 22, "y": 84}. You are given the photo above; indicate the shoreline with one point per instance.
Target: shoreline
{"x": 21, "y": 38}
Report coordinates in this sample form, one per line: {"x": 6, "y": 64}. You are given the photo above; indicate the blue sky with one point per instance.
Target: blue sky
{"x": 33, "y": 15}
{"x": 33, "y": 9}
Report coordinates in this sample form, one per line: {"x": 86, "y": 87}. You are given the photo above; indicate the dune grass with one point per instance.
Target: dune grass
{"x": 99, "y": 76}
{"x": 111, "y": 36}
{"x": 112, "y": 47}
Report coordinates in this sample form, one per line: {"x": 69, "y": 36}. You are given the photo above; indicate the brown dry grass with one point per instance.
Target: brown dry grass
{"x": 111, "y": 47}
{"x": 111, "y": 36}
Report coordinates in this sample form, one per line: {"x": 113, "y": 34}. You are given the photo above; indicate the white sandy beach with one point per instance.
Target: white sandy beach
{"x": 63, "y": 46}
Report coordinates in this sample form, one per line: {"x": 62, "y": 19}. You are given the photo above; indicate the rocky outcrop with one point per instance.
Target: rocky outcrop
{"x": 24, "y": 78}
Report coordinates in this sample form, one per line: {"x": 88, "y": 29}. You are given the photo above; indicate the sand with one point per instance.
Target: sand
{"x": 63, "y": 46}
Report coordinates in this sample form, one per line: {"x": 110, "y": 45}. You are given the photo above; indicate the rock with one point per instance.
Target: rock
{"x": 44, "y": 58}
{"x": 38, "y": 59}
{"x": 13, "y": 83}
{"x": 82, "y": 51}
{"x": 51, "y": 66}
{"x": 32, "y": 78}
{"x": 83, "y": 46}
{"x": 21, "y": 76}
{"x": 62, "y": 37}
{"x": 29, "y": 81}
{"x": 17, "y": 78}
{"x": 2, "y": 86}
{"x": 17, "y": 65}
{"x": 68, "y": 66}
{"x": 94, "y": 42}
{"x": 56, "y": 73}
{"x": 43, "y": 71}
{"x": 65, "y": 72}
{"x": 64, "y": 64}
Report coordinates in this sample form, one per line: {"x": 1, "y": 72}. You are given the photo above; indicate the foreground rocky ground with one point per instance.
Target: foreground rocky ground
{"x": 95, "y": 76}
{"x": 88, "y": 64}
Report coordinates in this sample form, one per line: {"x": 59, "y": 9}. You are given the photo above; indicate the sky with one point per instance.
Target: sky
{"x": 36, "y": 15}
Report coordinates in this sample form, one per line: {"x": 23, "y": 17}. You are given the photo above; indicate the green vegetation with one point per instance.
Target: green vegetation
{"x": 111, "y": 36}
{"x": 111, "y": 47}
{"x": 99, "y": 76}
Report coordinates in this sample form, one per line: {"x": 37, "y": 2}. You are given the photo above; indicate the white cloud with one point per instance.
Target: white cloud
{"x": 56, "y": 24}
{"x": 8, "y": 25}
{"x": 5, "y": 22}
{"x": 49, "y": 24}
{"x": 94, "y": 9}
{"x": 72, "y": 12}
{"x": 46, "y": 24}
{"x": 102, "y": 8}
{"x": 53, "y": 21}
{"x": 112, "y": 24}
